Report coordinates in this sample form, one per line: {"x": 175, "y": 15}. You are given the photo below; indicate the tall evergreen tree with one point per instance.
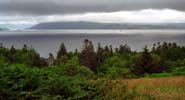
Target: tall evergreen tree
{"x": 106, "y": 52}
{"x": 12, "y": 56}
{"x": 1, "y": 45}
{"x": 111, "y": 50}
{"x": 76, "y": 53}
{"x": 154, "y": 48}
{"x": 88, "y": 56}
{"x": 62, "y": 51}
{"x": 124, "y": 49}
{"x": 35, "y": 58}
{"x": 146, "y": 64}
{"x": 99, "y": 53}
{"x": 12, "y": 49}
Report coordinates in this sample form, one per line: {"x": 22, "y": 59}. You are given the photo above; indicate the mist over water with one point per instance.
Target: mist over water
{"x": 48, "y": 41}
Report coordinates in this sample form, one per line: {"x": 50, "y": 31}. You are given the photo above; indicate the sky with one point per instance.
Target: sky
{"x": 110, "y": 11}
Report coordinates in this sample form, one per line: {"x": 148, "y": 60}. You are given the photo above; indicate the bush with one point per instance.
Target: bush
{"x": 21, "y": 82}
{"x": 73, "y": 68}
{"x": 115, "y": 72}
{"x": 115, "y": 67}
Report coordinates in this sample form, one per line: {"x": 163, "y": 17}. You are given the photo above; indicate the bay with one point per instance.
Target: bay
{"x": 48, "y": 41}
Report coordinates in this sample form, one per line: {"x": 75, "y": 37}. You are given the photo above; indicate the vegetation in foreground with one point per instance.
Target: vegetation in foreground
{"x": 102, "y": 74}
{"x": 169, "y": 88}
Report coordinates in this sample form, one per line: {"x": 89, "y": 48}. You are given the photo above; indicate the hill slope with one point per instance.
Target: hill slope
{"x": 93, "y": 25}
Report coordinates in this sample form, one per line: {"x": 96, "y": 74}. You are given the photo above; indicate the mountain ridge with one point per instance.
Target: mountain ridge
{"x": 96, "y": 25}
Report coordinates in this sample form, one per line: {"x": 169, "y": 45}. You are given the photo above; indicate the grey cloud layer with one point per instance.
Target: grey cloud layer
{"x": 48, "y": 7}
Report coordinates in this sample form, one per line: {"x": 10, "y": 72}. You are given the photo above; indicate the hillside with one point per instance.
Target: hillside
{"x": 2, "y": 29}
{"x": 93, "y": 25}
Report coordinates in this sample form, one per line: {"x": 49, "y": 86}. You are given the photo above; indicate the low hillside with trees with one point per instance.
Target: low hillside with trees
{"x": 92, "y": 73}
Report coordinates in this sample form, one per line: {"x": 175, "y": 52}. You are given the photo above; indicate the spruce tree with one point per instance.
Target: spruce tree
{"x": 99, "y": 53}
{"x": 62, "y": 51}
{"x": 147, "y": 64}
{"x": 35, "y": 58}
{"x": 124, "y": 49}
{"x": 88, "y": 56}
{"x": 1, "y": 45}
{"x": 111, "y": 50}
{"x": 143, "y": 63}
{"x": 106, "y": 52}
{"x": 25, "y": 48}
{"x": 11, "y": 56}
{"x": 12, "y": 49}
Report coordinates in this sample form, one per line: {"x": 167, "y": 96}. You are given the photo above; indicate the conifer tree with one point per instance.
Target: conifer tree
{"x": 99, "y": 53}
{"x": 11, "y": 56}
{"x": 146, "y": 64}
{"x": 111, "y": 50}
{"x": 25, "y": 48}
{"x": 106, "y": 52}
{"x": 88, "y": 56}
{"x": 12, "y": 49}
{"x": 1, "y": 45}
{"x": 154, "y": 48}
{"x": 35, "y": 58}
{"x": 62, "y": 51}
{"x": 76, "y": 53}
{"x": 124, "y": 49}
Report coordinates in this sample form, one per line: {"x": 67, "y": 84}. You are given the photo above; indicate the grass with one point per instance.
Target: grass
{"x": 171, "y": 88}
{"x": 168, "y": 88}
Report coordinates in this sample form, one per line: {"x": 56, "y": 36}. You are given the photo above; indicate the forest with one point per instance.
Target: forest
{"x": 93, "y": 73}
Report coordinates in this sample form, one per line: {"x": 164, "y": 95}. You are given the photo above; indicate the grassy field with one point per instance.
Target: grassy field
{"x": 171, "y": 88}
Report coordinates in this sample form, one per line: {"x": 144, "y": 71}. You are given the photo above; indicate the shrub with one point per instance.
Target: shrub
{"x": 21, "y": 82}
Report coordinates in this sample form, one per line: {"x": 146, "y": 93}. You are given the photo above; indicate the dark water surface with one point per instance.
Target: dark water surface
{"x": 46, "y": 41}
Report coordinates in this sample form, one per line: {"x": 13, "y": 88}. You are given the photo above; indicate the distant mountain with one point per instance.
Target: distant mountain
{"x": 94, "y": 25}
{"x": 1, "y": 29}
{"x": 15, "y": 26}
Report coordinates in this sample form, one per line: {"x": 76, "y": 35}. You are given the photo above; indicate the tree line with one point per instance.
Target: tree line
{"x": 103, "y": 60}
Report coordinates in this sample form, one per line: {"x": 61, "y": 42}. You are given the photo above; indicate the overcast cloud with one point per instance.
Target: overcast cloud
{"x": 47, "y": 7}
{"x": 34, "y": 11}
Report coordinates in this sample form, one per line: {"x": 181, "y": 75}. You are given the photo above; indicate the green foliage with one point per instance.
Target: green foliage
{"x": 105, "y": 62}
{"x": 21, "y": 82}
{"x": 85, "y": 75}
{"x": 116, "y": 72}
{"x": 169, "y": 51}
{"x": 88, "y": 56}
{"x": 116, "y": 61}
{"x": 146, "y": 63}
{"x": 25, "y": 55}
{"x": 155, "y": 75}
{"x": 62, "y": 60}
{"x": 73, "y": 68}
{"x": 62, "y": 51}
{"x": 175, "y": 72}
{"x": 115, "y": 67}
